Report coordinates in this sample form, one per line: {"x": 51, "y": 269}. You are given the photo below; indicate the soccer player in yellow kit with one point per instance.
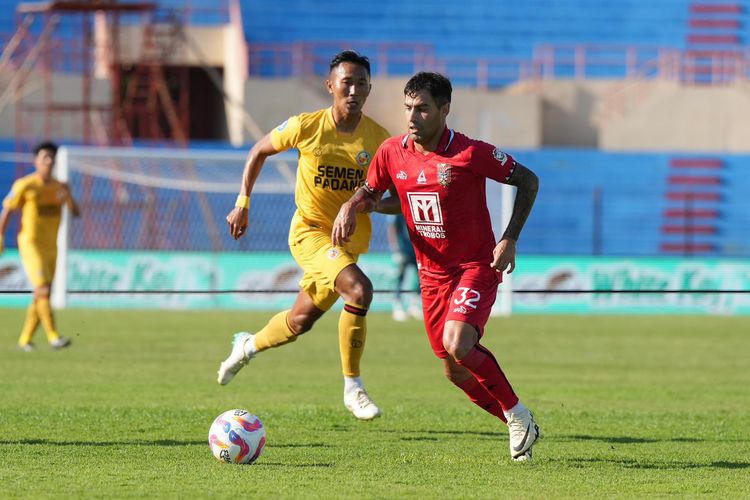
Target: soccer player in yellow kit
{"x": 335, "y": 146}
{"x": 40, "y": 198}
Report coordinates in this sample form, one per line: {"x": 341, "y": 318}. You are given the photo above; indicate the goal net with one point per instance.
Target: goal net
{"x": 152, "y": 230}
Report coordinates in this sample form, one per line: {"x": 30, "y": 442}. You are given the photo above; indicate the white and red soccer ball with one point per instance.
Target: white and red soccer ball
{"x": 237, "y": 437}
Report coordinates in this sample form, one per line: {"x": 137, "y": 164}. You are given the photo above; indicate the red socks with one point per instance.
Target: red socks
{"x": 480, "y": 397}
{"x": 483, "y": 365}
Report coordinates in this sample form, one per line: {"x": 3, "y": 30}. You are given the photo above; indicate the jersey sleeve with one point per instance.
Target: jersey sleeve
{"x": 378, "y": 177}
{"x": 287, "y": 135}
{"x": 492, "y": 162}
{"x": 14, "y": 199}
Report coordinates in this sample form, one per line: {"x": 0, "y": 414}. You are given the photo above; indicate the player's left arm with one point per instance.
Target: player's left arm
{"x": 527, "y": 184}
{"x": 363, "y": 200}
{"x": 390, "y": 204}
{"x": 75, "y": 210}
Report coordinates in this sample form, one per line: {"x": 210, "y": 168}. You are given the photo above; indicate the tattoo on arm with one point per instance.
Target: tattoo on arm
{"x": 528, "y": 184}
{"x": 365, "y": 200}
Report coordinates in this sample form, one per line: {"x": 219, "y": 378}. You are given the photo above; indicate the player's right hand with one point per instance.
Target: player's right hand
{"x": 237, "y": 220}
{"x": 344, "y": 225}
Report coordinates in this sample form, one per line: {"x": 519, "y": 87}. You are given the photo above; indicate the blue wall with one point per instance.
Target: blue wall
{"x": 473, "y": 28}
{"x": 633, "y": 189}
{"x": 470, "y": 27}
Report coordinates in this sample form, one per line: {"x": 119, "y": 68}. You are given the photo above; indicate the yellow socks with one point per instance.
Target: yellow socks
{"x": 352, "y": 333}
{"x": 44, "y": 311}
{"x": 275, "y": 333}
{"x": 29, "y": 326}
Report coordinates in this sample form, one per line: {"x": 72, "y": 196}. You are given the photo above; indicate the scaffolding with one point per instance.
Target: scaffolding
{"x": 55, "y": 75}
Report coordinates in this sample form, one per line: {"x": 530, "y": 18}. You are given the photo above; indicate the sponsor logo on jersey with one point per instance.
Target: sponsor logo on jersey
{"x": 444, "y": 174}
{"x": 426, "y": 214}
{"x": 48, "y": 210}
{"x": 500, "y": 156}
{"x": 339, "y": 178}
{"x": 401, "y": 175}
{"x": 460, "y": 309}
{"x": 282, "y": 126}
{"x": 363, "y": 158}
{"x": 333, "y": 253}
{"x": 421, "y": 179}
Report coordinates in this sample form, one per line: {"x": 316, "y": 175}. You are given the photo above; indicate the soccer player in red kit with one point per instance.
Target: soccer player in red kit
{"x": 439, "y": 176}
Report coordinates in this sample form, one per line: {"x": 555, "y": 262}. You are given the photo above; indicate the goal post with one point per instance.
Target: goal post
{"x": 160, "y": 201}
{"x": 505, "y": 293}
{"x": 60, "y": 287}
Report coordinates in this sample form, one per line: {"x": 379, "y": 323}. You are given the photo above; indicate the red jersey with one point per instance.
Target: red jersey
{"x": 443, "y": 196}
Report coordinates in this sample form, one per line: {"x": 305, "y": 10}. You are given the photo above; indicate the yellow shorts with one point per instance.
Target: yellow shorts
{"x": 320, "y": 261}
{"x": 39, "y": 266}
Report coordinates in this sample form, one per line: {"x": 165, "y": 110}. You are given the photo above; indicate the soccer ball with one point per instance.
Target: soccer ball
{"x": 237, "y": 437}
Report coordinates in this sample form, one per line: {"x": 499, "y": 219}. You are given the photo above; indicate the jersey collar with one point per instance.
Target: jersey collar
{"x": 445, "y": 141}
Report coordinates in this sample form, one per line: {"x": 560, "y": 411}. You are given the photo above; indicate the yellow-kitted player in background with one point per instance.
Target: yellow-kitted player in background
{"x": 40, "y": 199}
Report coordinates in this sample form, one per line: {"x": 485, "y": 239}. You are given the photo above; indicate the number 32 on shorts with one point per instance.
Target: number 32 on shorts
{"x": 468, "y": 297}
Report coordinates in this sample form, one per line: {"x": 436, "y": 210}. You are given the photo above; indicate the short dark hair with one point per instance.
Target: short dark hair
{"x": 46, "y": 145}
{"x": 351, "y": 56}
{"x": 437, "y": 85}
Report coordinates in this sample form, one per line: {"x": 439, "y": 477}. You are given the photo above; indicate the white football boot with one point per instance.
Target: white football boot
{"x": 359, "y": 403}
{"x": 526, "y": 457}
{"x": 60, "y": 343}
{"x": 523, "y": 432}
{"x": 236, "y": 360}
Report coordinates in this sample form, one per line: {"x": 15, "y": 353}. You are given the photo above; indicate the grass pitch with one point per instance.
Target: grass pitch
{"x": 629, "y": 407}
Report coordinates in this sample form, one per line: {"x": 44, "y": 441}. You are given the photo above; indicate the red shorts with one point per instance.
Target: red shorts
{"x": 467, "y": 295}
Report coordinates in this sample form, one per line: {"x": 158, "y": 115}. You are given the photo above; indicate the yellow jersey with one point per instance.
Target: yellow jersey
{"x": 41, "y": 209}
{"x": 332, "y": 165}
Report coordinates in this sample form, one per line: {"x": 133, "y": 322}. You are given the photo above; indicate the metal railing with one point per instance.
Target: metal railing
{"x": 548, "y": 61}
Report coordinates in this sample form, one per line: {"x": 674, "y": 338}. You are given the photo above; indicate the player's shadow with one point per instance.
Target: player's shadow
{"x": 623, "y": 439}
{"x": 643, "y": 464}
{"x": 143, "y": 442}
{"x": 262, "y": 464}
{"x": 661, "y": 465}
{"x": 134, "y": 442}
{"x": 299, "y": 445}
{"x": 425, "y": 434}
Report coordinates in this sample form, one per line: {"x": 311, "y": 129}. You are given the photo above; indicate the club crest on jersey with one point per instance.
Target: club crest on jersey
{"x": 401, "y": 175}
{"x": 500, "y": 156}
{"x": 363, "y": 158}
{"x": 318, "y": 151}
{"x": 333, "y": 253}
{"x": 443, "y": 174}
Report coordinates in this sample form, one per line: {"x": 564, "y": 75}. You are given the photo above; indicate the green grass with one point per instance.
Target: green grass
{"x": 629, "y": 406}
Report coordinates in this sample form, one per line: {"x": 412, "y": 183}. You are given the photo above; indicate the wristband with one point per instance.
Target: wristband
{"x": 242, "y": 202}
